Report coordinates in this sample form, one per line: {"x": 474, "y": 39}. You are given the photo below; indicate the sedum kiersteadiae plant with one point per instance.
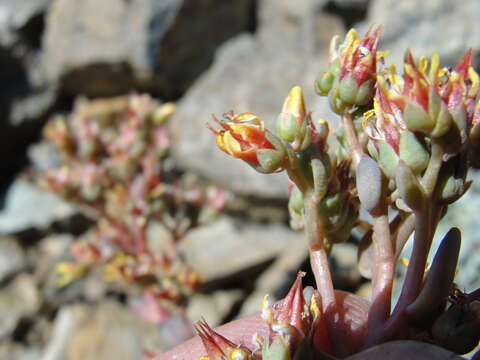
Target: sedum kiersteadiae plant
{"x": 404, "y": 144}
{"x": 114, "y": 163}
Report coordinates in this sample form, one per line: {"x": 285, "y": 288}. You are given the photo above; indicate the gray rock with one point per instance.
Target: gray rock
{"x": 212, "y": 307}
{"x": 255, "y": 74}
{"x": 345, "y": 273}
{"x": 19, "y": 299}
{"x": 463, "y": 214}
{"x": 443, "y": 26}
{"x": 278, "y": 278}
{"x": 113, "y": 46}
{"x": 14, "y": 351}
{"x": 227, "y": 247}
{"x": 26, "y": 207}
{"x": 12, "y": 258}
{"x": 106, "y": 331}
{"x": 16, "y": 15}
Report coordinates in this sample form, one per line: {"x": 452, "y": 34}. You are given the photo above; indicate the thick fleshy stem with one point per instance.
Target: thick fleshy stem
{"x": 315, "y": 232}
{"x": 414, "y": 277}
{"x": 351, "y": 137}
{"x": 382, "y": 274}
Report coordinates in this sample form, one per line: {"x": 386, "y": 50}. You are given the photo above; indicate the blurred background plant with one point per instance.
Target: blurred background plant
{"x": 116, "y": 166}
{"x": 206, "y": 57}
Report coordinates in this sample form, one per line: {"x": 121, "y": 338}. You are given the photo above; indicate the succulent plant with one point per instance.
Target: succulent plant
{"x": 402, "y": 153}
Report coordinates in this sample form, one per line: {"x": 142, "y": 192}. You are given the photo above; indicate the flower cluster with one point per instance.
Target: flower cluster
{"x": 402, "y": 152}
{"x": 114, "y": 164}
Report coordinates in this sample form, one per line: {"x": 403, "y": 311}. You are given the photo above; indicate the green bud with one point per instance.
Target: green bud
{"x": 292, "y": 123}
{"x": 369, "y": 184}
{"x": 388, "y": 159}
{"x": 287, "y": 127}
{"x": 417, "y": 118}
{"x": 413, "y": 152}
{"x": 324, "y": 83}
{"x": 409, "y": 188}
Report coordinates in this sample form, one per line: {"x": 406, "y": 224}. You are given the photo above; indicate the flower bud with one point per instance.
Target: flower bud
{"x": 293, "y": 124}
{"x": 324, "y": 83}
{"x": 243, "y": 136}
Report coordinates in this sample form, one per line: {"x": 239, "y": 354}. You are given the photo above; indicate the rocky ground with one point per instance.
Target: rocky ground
{"x": 209, "y": 56}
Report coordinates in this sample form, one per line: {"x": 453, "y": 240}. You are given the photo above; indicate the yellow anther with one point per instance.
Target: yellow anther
{"x": 475, "y": 82}
{"x": 239, "y": 354}
{"x": 423, "y": 64}
{"x": 314, "y": 309}
{"x": 434, "y": 67}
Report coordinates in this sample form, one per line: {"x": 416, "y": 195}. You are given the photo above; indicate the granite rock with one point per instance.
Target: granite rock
{"x": 255, "y": 73}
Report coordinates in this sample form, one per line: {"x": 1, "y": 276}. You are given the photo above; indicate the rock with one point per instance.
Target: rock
{"x": 13, "y": 351}
{"x": 213, "y": 307}
{"x": 19, "y": 299}
{"x": 19, "y": 18}
{"x": 103, "y": 332}
{"x": 12, "y": 258}
{"x": 67, "y": 322}
{"x": 343, "y": 264}
{"x": 350, "y": 11}
{"x": 255, "y": 73}
{"x": 226, "y": 247}
{"x": 27, "y": 207}
{"x": 463, "y": 214}
{"x": 408, "y": 25}
{"x": 278, "y": 278}
{"x": 114, "y": 46}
